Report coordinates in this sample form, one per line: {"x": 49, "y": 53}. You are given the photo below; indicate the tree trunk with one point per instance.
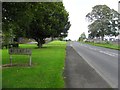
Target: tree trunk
{"x": 102, "y": 38}
{"x": 39, "y": 44}
{"x": 52, "y": 38}
{"x": 40, "y": 41}
{"x": 102, "y": 35}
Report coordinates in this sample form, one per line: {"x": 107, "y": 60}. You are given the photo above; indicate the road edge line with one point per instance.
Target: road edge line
{"x": 95, "y": 70}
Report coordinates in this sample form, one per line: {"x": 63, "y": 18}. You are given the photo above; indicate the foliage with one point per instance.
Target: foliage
{"x": 104, "y": 21}
{"x": 82, "y": 36}
{"x": 37, "y": 20}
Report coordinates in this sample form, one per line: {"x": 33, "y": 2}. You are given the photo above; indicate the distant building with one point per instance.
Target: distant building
{"x": 112, "y": 38}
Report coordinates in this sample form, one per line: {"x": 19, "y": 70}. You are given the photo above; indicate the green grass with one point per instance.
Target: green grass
{"x": 106, "y": 45}
{"x": 46, "y": 70}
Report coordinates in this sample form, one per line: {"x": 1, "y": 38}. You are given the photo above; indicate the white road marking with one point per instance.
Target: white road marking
{"x": 90, "y": 47}
{"x": 108, "y": 53}
{"x": 113, "y": 53}
{"x": 98, "y": 70}
{"x": 71, "y": 45}
{"x": 93, "y": 48}
{"x": 105, "y": 52}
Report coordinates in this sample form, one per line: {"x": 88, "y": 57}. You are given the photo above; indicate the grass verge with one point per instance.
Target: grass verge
{"x": 106, "y": 45}
{"x": 45, "y": 72}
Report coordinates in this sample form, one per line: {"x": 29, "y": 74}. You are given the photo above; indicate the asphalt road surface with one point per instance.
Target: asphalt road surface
{"x": 103, "y": 60}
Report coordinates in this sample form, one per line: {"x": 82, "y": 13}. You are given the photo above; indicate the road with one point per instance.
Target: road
{"x": 103, "y": 60}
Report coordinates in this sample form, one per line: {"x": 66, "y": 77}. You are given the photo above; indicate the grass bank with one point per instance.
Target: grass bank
{"x": 45, "y": 72}
{"x": 106, "y": 45}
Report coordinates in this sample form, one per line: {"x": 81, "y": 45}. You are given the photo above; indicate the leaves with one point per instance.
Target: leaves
{"x": 104, "y": 21}
{"x": 37, "y": 20}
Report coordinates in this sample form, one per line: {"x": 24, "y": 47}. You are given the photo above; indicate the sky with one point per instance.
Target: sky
{"x": 78, "y": 9}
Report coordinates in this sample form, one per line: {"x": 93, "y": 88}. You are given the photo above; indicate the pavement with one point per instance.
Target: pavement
{"x": 88, "y": 66}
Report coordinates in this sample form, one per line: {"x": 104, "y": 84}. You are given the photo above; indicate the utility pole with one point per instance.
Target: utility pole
{"x": 118, "y": 43}
{"x": 118, "y": 6}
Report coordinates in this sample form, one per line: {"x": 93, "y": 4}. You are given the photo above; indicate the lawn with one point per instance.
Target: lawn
{"x": 106, "y": 45}
{"x": 46, "y": 70}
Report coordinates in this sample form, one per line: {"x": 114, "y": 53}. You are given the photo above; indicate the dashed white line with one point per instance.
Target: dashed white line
{"x": 105, "y": 52}
{"x": 71, "y": 45}
{"x": 113, "y": 53}
{"x": 110, "y": 54}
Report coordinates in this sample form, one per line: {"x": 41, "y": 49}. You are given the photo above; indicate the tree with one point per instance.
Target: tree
{"x": 104, "y": 21}
{"x": 82, "y": 36}
{"x": 13, "y": 19}
{"x": 55, "y": 21}
{"x": 37, "y": 20}
{"x": 98, "y": 29}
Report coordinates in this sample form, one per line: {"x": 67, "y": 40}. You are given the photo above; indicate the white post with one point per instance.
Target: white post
{"x": 118, "y": 38}
{"x": 10, "y": 60}
{"x": 118, "y": 6}
{"x": 30, "y": 60}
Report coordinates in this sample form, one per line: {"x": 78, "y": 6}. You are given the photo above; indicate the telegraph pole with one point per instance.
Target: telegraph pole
{"x": 118, "y": 44}
{"x": 119, "y": 6}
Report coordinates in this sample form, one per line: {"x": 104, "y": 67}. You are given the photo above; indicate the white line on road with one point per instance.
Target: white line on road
{"x": 90, "y": 47}
{"x": 107, "y": 79}
{"x": 93, "y": 48}
{"x": 108, "y": 53}
{"x": 71, "y": 45}
{"x": 113, "y": 53}
{"x": 105, "y": 52}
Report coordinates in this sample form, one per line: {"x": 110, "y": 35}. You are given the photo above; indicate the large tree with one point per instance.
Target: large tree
{"x": 37, "y": 20}
{"x": 104, "y": 21}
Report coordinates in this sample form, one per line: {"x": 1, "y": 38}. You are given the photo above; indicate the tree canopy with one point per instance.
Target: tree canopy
{"x": 104, "y": 21}
{"x": 37, "y": 20}
{"x": 82, "y": 36}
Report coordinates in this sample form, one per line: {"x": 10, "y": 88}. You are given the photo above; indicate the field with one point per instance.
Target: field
{"x": 46, "y": 70}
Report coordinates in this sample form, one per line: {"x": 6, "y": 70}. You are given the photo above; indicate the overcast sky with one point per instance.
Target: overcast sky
{"x": 78, "y": 9}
